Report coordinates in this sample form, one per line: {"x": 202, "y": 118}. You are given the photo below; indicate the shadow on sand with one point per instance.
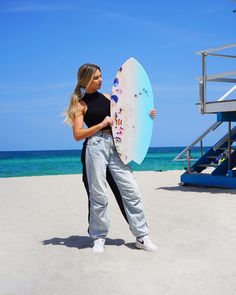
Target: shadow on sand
{"x": 80, "y": 242}
{"x": 198, "y": 189}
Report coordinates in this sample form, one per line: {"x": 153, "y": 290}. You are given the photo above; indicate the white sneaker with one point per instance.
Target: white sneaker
{"x": 99, "y": 245}
{"x": 145, "y": 243}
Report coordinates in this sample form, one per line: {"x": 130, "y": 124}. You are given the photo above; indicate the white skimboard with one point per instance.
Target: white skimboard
{"x": 131, "y": 103}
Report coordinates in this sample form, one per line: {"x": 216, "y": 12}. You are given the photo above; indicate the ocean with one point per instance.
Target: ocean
{"x": 36, "y": 163}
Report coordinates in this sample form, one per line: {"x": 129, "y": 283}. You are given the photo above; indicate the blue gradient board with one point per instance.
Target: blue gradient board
{"x": 131, "y": 103}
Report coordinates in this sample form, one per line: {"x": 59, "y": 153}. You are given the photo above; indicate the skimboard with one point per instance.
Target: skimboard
{"x": 131, "y": 103}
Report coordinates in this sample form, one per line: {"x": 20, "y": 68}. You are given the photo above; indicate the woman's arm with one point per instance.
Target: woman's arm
{"x": 78, "y": 127}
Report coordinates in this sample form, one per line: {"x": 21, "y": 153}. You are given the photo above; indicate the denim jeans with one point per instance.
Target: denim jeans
{"x": 100, "y": 154}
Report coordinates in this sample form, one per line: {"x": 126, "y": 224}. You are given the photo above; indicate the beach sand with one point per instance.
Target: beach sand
{"x": 45, "y": 248}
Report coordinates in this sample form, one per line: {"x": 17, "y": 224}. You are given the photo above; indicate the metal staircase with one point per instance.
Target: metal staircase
{"x": 212, "y": 157}
{"x": 217, "y": 167}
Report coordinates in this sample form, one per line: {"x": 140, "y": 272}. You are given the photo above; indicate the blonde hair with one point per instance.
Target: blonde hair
{"x": 84, "y": 77}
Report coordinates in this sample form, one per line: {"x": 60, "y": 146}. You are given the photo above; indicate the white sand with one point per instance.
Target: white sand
{"x": 45, "y": 249}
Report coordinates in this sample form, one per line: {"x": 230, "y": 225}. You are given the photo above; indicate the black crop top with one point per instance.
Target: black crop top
{"x": 98, "y": 108}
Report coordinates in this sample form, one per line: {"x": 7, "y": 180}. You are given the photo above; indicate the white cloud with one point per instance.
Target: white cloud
{"x": 213, "y": 9}
{"x": 127, "y": 18}
{"x": 174, "y": 88}
{"x": 34, "y": 7}
{"x": 35, "y": 88}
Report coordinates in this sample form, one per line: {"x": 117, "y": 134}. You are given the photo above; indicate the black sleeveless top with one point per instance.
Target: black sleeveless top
{"x": 98, "y": 108}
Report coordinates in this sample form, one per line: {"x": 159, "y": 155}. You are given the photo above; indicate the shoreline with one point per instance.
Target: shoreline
{"x": 60, "y": 162}
{"x": 77, "y": 149}
{"x": 49, "y": 175}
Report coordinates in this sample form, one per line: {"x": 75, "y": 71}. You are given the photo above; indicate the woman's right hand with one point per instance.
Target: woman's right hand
{"x": 107, "y": 121}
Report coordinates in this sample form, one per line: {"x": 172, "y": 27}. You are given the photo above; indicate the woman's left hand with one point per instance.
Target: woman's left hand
{"x": 153, "y": 113}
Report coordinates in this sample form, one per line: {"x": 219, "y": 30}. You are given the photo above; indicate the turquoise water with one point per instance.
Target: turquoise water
{"x": 33, "y": 163}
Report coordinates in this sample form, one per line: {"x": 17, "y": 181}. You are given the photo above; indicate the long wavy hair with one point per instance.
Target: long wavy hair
{"x": 84, "y": 78}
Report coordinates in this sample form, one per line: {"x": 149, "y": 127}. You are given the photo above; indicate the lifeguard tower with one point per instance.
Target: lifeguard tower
{"x": 217, "y": 166}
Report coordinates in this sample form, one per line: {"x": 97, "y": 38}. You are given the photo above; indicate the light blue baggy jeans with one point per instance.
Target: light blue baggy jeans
{"x": 100, "y": 154}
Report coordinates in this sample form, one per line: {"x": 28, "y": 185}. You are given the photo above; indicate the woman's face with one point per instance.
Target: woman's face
{"x": 96, "y": 82}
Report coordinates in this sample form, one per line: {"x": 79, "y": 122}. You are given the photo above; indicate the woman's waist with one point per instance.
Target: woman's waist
{"x": 96, "y": 139}
{"x": 102, "y": 133}
{"x": 106, "y": 130}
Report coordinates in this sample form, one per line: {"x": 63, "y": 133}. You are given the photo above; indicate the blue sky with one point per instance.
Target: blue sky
{"x": 44, "y": 42}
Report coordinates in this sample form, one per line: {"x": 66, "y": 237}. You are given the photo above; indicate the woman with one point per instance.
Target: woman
{"x": 101, "y": 159}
